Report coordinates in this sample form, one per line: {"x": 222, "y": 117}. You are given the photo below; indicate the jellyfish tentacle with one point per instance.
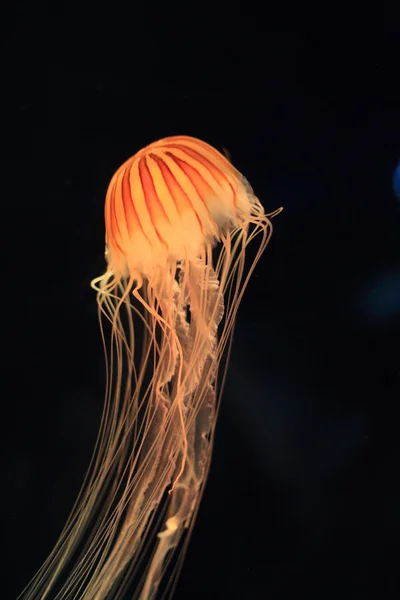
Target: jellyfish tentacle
{"x": 201, "y": 295}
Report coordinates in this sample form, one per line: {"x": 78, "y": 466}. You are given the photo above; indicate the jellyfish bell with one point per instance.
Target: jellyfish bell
{"x": 185, "y": 193}
{"x": 179, "y": 218}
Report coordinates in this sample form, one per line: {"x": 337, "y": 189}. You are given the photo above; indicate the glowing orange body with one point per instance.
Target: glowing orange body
{"x": 169, "y": 198}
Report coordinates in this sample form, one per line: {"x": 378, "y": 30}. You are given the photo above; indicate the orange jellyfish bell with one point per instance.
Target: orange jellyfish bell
{"x": 167, "y": 200}
{"x": 179, "y": 218}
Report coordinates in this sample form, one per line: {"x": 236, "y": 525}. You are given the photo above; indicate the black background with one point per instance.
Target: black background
{"x": 303, "y": 499}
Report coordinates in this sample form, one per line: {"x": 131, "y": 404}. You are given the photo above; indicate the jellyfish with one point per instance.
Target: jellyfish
{"x": 179, "y": 218}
